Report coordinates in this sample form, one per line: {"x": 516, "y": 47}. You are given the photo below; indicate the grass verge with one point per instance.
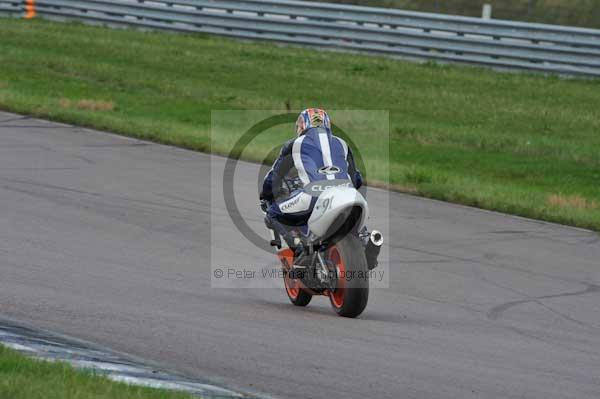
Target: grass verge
{"x": 518, "y": 143}
{"x": 25, "y": 378}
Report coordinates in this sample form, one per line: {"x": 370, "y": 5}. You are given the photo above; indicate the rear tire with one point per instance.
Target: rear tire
{"x": 351, "y": 295}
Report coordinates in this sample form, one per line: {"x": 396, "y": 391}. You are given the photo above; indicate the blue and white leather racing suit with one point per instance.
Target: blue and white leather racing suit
{"x": 315, "y": 155}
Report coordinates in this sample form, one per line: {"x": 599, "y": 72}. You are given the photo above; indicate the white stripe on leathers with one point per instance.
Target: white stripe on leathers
{"x": 326, "y": 152}
{"x": 297, "y": 157}
{"x": 345, "y": 146}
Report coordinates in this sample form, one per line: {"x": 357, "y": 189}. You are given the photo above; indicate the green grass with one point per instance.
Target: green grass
{"x": 517, "y": 143}
{"x": 584, "y": 13}
{"x": 25, "y": 378}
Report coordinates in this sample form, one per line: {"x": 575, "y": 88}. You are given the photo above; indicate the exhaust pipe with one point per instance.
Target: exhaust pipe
{"x": 374, "y": 244}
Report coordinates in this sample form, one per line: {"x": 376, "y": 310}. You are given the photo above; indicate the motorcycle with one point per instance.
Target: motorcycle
{"x": 333, "y": 254}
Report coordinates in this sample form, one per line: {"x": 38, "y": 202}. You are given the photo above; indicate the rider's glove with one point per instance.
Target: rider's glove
{"x": 264, "y": 205}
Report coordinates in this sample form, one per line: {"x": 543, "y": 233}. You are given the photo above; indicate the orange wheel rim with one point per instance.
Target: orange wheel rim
{"x": 337, "y": 296}
{"x": 291, "y": 287}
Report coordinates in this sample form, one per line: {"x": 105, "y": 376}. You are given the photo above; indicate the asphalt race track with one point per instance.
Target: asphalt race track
{"x": 108, "y": 239}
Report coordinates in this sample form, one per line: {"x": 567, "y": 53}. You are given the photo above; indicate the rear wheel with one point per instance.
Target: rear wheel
{"x": 351, "y": 294}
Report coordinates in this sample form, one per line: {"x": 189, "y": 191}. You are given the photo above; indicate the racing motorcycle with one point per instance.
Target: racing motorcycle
{"x": 333, "y": 253}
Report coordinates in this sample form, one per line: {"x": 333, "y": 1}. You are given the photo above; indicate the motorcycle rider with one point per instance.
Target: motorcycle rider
{"x": 314, "y": 155}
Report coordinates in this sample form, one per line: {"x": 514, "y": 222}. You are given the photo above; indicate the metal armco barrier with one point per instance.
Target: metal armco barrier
{"x": 422, "y": 36}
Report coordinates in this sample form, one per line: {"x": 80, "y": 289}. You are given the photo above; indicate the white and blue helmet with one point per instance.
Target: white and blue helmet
{"x": 312, "y": 117}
